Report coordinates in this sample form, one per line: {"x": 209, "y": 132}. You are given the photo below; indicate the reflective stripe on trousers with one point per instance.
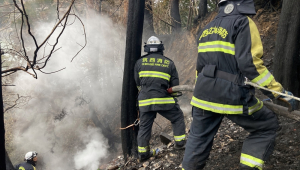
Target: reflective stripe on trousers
{"x": 143, "y": 149}
{"x": 251, "y": 161}
{"x": 179, "y": 138}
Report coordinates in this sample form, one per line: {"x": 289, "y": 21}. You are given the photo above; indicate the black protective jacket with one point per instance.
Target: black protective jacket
{"x": 230, "y": 50}
{"x": 154, "y": 74}
{"x": 25, "y": 166}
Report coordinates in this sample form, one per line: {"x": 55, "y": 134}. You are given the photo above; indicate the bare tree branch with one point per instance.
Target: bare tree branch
{"x": 35, "y": 63}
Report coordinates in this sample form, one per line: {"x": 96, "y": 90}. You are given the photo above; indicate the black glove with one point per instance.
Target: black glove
{"x": 290, "y": 101}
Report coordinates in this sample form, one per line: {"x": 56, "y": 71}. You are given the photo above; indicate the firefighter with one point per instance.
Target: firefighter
{"x": 154, "y": 74}
{"x": 30, "y": 161}
{"x": 230, "y": 50}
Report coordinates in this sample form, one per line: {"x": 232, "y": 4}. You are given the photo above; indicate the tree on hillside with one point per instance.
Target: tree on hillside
{"x": 175, "y": 15}
{"x": 202, "y": 9}
{"x": 148, "y": 19}
{"x": 287, "y": 54}
{"x": 129, "y": 90}
{"x": 33, "y": 62}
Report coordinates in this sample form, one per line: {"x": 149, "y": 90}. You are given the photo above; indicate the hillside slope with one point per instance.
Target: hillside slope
{"x": 229, "y": 139}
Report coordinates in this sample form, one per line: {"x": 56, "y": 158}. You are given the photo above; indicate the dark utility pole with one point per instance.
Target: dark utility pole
{"x": 2, "y": 131}
{"x": 5, "y": 162}
{"x": 129, "y": 89}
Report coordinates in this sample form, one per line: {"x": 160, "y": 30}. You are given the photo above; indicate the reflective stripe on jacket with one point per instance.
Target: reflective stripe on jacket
{"x": 25, "y": 166}
{"x": 154, "y": 74}
{"x": 231, "y": 43}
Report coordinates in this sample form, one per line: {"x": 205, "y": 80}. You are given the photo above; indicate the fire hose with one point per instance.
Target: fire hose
{"x": 279, "y": 110}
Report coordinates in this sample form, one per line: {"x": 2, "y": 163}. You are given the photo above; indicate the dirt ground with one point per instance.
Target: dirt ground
{"x": 226, "y": 150}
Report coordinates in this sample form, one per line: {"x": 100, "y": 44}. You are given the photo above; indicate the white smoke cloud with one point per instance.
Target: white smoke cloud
{"x": 89, "y": 157}
{"x": 56, "y": 122}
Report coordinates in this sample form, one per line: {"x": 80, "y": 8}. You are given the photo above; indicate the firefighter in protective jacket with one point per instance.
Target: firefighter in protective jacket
{"x": 154, "y": 74}
{"x": 30, "y": 161}
{"x": 230, "y": 49}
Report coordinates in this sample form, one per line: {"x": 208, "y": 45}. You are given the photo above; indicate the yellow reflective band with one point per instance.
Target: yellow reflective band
{"x": 21, "y": 168}
{"x": 251, "y": 161}
{"x": 276, "y": 87}
{"x": 217, "y": 107}
{"x": 196, "y": 76}
{"x": 179, "y": 138}
{"x": 263, "y": 79}
{"x": 255, "y": 107}
{"x": 143, "y": 149}
{"x": 156, "y": 74}
{"x": 224, "y": 43}
{"x": 167, "y": 100}
{"x": 153, "y": 152}
{"x": 217, "y": 46}
{"x": 256, "y": 45}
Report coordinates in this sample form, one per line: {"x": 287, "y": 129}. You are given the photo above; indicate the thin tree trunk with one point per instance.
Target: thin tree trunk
{"x": 99, "y": 6}
{"x": 5, "y": 162}
{"x": 190, "y": 15}
{"x": 129, "y": 90}
{"x": 148, "y": 22}
{"x": 2, "y": 131}
{"x": 175, "y": 15}
{"x": 287, "y": 54}
{"x": 202, "y": 9}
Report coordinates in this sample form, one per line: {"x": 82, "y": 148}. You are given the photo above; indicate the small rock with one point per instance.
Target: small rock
{"x": 170, "y": 144}
{"x": 173, "y": 155}
{"x": 157, "y": 165}
{"x": 145, "y": 164}
{"x": 152, "y": 158}
{"x": 167, "y": 165}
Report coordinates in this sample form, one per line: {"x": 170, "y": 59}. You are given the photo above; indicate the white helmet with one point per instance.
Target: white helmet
{"x": 153, "y": 40}
{"x": 30, "y": 155}
{"x": 221, "y": 1}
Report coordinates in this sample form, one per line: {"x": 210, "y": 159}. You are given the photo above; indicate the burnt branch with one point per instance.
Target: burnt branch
{"x": 15, "y": 103}
{"x": 34, "y": 62}
{"x": 85, "y": 39}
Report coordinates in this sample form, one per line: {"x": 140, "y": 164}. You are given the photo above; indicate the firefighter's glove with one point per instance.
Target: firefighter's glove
{"x": 290, "y": 101}
{"x": 176, "y": 94}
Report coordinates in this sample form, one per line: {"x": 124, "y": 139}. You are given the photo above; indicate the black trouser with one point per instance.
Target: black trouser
{"x": 258, "y": 146}
{"x": 174, "y": 115}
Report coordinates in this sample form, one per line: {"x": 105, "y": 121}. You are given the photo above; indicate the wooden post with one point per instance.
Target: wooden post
{"x": 2, "y": 131}
{"x": 129, "y": 89}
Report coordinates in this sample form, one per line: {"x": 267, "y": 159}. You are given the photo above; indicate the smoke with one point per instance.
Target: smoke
{"x": 56, "y": 122}
{"x": 89, "y": 157}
